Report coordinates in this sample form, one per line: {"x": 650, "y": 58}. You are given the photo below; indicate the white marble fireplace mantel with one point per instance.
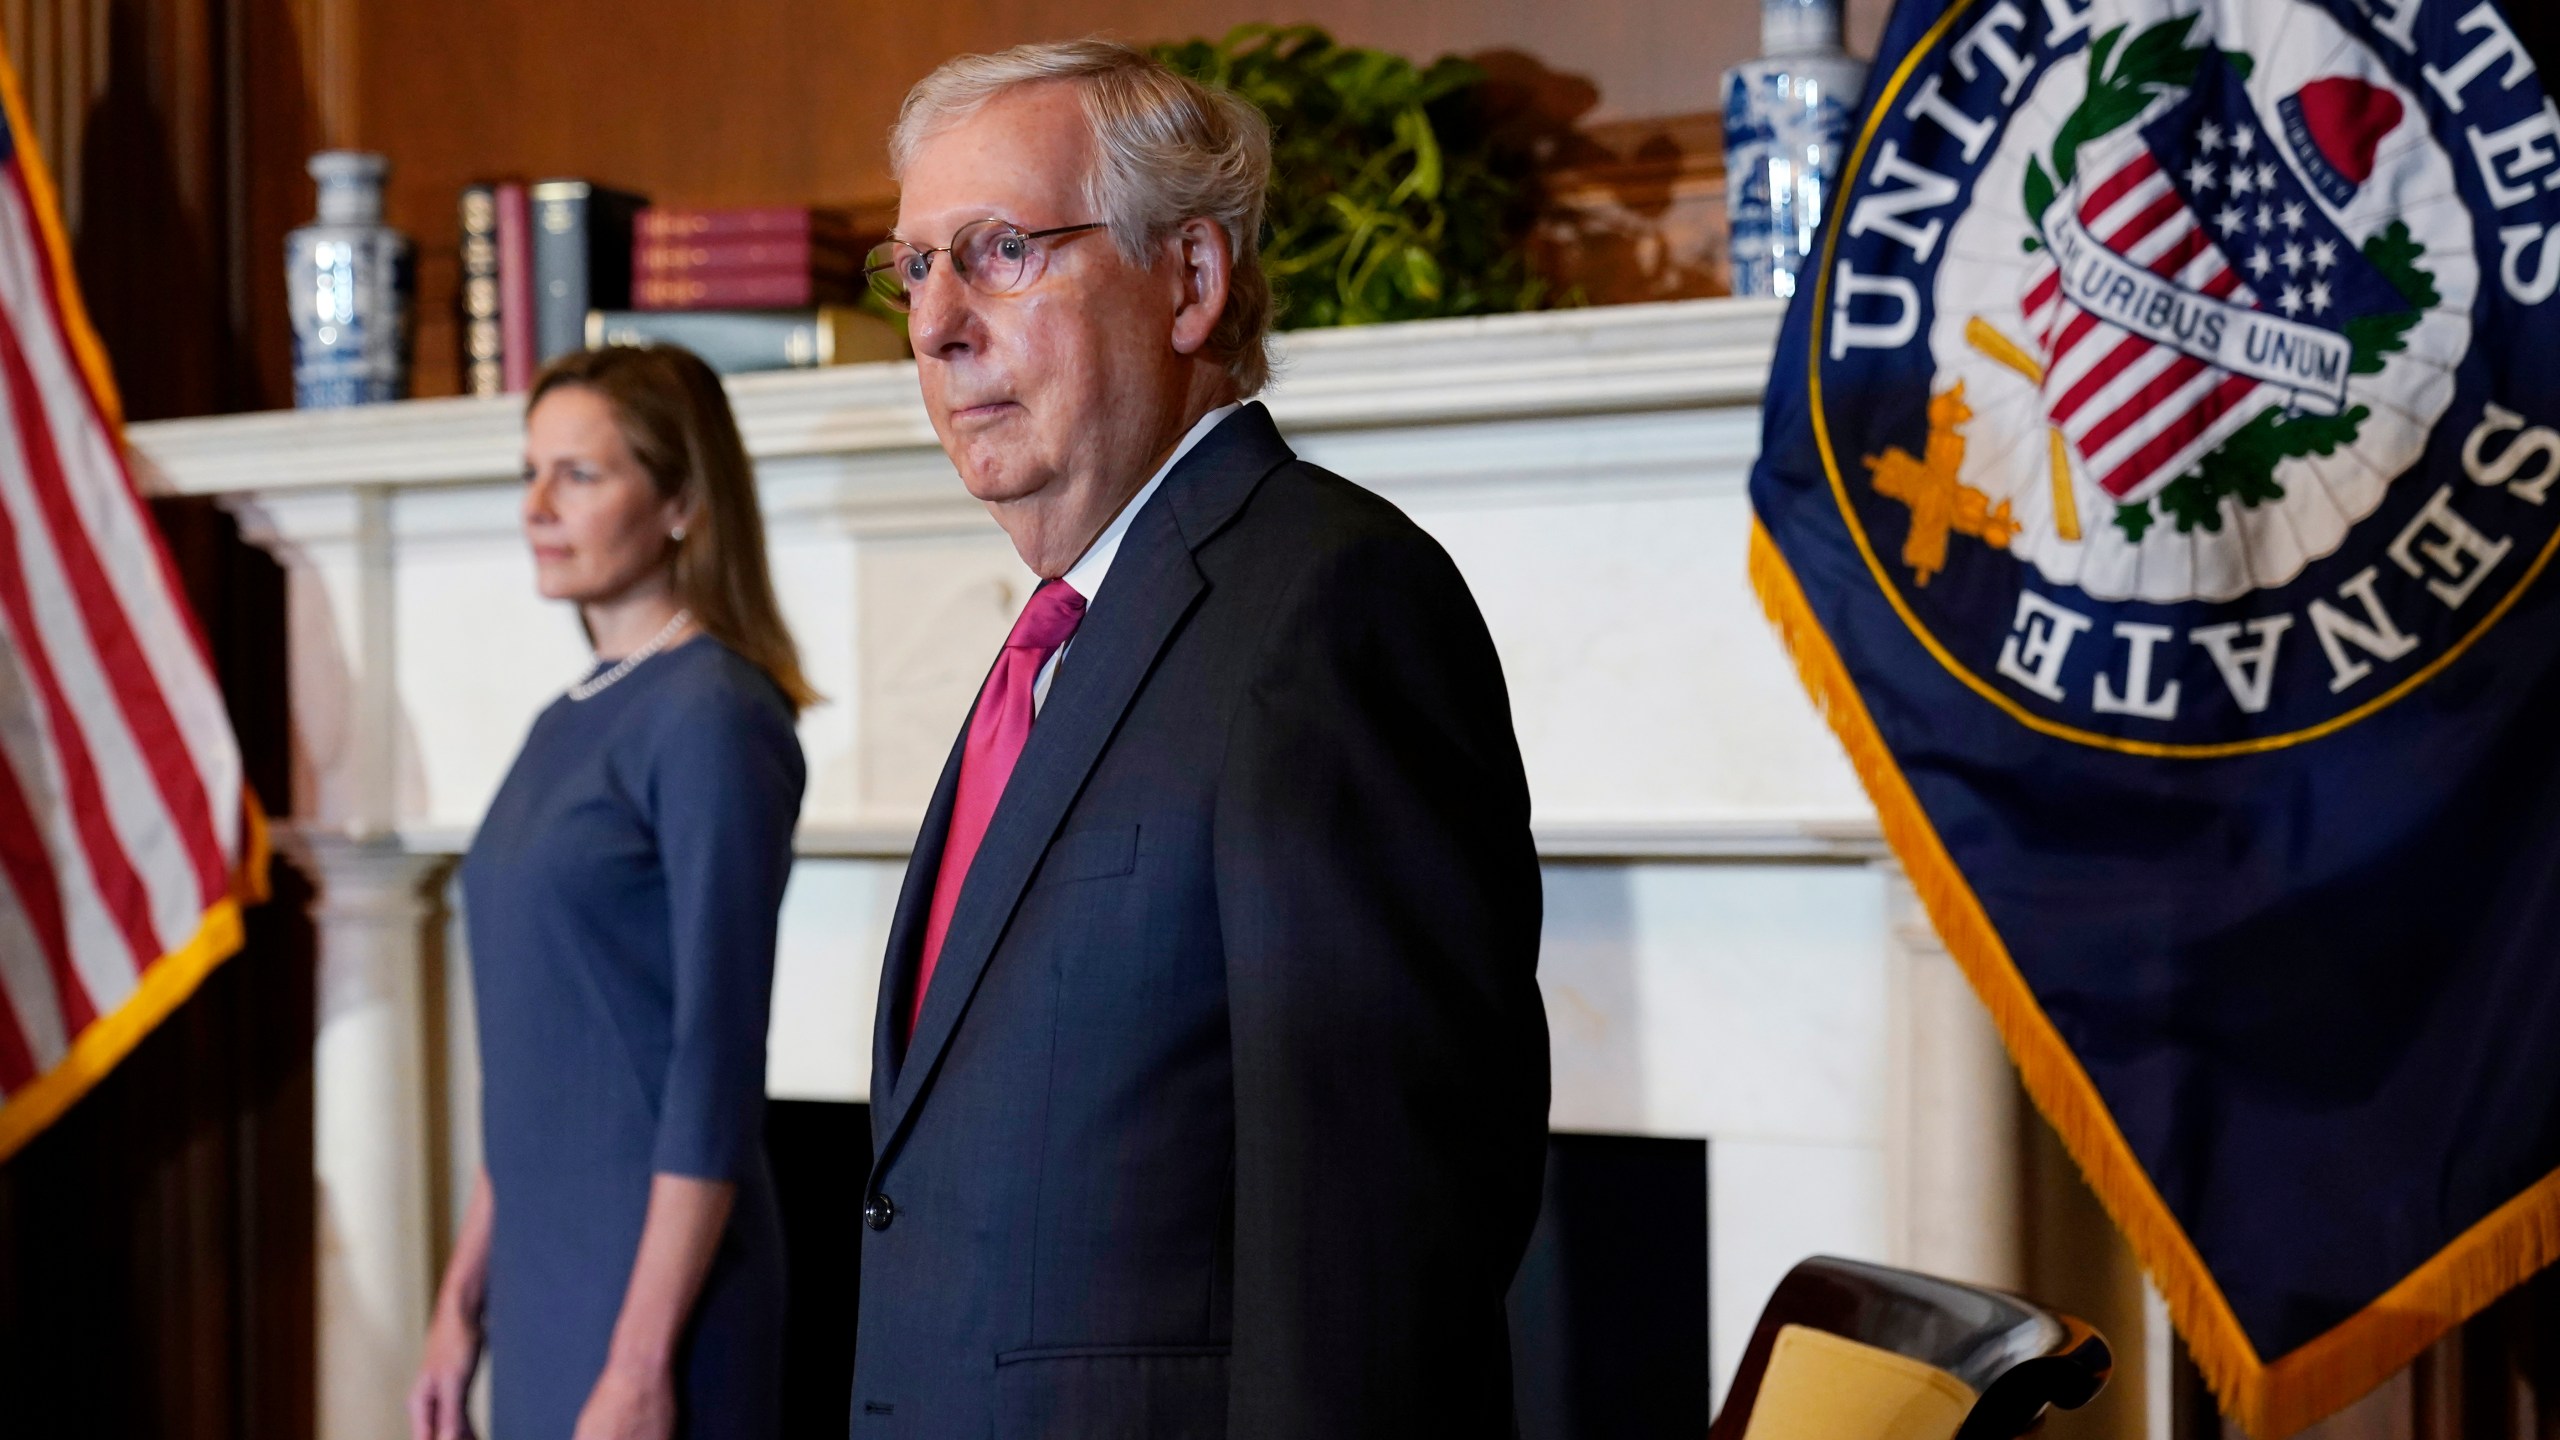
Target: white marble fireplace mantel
{"x": 1726, "y": 956}
{"x": 1585, "y": 466}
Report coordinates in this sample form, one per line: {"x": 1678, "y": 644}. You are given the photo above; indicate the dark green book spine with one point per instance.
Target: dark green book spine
{"x": 581, "y": 259}
{"x": 733, "y": 342}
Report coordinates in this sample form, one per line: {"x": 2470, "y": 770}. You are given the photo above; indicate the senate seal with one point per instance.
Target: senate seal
{"x": 2189, "y": 375}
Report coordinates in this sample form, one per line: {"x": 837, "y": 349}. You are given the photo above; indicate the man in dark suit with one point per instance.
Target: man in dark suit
{"x": 1210, "y": 1081}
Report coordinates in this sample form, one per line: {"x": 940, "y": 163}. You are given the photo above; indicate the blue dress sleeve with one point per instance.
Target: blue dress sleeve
{"x": 726, "y": 787}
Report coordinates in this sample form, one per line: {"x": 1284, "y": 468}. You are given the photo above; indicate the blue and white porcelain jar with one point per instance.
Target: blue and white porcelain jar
{"x": 1786, "y": 134}
{"x": 348, "y": 280}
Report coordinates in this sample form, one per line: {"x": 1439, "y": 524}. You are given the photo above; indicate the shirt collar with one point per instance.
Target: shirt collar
{"x": 1085, "y": 576}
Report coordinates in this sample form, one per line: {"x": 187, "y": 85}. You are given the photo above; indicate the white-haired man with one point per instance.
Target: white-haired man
{"x": 1210, "y": 1081}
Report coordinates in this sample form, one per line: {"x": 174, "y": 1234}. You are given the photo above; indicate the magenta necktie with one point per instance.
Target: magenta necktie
{"x": 997, "y": 732}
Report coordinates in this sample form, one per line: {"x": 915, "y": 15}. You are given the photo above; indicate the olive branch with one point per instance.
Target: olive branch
{"x": 2121, "y": 87}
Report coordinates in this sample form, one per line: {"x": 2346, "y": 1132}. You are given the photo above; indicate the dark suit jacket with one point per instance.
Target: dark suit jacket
{"x": 1227, "y": 1109}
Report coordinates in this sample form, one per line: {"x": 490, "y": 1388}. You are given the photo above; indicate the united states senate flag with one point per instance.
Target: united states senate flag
{"x": 2159, "y": 492}
{"x": 128, "y": 842}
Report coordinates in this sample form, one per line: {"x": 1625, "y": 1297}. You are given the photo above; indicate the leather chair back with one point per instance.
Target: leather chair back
{"x": 1850, "y": 1351}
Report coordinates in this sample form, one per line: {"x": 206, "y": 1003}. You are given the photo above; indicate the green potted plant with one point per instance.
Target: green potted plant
{"x": 1391, "y": 198}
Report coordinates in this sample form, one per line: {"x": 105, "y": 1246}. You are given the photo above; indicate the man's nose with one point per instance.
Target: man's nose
{"x": 940, "y": 312}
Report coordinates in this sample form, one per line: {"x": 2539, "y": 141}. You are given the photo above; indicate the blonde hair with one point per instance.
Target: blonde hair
{"x": 674, "y": 415}
{"x": 1171, "y": 149}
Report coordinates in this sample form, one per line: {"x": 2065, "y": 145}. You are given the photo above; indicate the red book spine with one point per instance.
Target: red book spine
{"x": 792, "y": 252}
{"x": 661, "y": 222}
{"x": 515, "y": 286}
{"x": 751, "y": 290}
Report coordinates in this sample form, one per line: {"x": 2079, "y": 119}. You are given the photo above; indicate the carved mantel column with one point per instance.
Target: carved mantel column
{"x": 1953, "y": 1144}
{"x": 376, "y": 907}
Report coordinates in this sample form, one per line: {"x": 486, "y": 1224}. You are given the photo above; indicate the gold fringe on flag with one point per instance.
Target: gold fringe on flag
{"x": 2271, "y": 1401}
{"x": 165, "y": 986}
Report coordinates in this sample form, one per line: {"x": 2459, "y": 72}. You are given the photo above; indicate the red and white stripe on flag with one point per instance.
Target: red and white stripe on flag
{"x": 128, "y": 841}
{"x": 2138, "y": 413}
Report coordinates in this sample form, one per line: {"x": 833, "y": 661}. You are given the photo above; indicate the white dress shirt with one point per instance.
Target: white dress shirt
{"x": 1085, "y": 576}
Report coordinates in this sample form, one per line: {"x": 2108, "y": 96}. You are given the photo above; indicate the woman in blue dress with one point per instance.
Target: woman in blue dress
{"x": 621, "y": 1255}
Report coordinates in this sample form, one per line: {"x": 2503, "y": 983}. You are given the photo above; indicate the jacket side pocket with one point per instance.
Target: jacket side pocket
{"x": 1106, "y": 1392}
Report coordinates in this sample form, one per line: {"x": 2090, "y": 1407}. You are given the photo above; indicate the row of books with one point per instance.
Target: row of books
{"x": 559, "y": 265}
{"x": 744, "y": 258}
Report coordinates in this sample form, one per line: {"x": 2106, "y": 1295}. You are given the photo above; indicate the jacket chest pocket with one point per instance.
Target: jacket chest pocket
{"x": 1094, "y": 854}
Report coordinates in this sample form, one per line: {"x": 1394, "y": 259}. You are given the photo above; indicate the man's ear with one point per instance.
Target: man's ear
{"x": 1203, "y": 262}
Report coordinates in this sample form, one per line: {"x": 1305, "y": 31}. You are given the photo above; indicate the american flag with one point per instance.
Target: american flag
{"x": 128, "y": 842}
{"x": 2203, "y": 198}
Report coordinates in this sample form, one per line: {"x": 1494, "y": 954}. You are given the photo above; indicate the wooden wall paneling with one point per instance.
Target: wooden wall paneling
{"x": 2503, "y": 1382}
{"x": 2076, "y": 1261}
{"x": 60, "y": 50}
{"x": 1635, "y": 211}
{"x": 152, "y": 244}
{"x": 790, "y": 100}
{"x": 175, "y": 131}
{"x": 189, "y": 121}
{"x": 294, "y": 80}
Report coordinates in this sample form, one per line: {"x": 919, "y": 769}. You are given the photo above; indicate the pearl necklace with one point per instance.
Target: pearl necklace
{"x": 593, "y": 686}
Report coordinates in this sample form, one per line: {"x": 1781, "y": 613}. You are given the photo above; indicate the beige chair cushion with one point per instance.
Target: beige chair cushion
{"x": 1821, "y": 1386}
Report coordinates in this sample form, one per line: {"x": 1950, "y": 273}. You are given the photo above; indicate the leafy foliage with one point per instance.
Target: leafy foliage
{"x": 2121, "y": 87}
{"x": 2243, "y": 468}
{"x": 2378, "y": 337}
{"x": 1390, "y": 199}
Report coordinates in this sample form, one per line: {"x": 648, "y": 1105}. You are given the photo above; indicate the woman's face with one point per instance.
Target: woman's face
{"x": 597, "y": 525}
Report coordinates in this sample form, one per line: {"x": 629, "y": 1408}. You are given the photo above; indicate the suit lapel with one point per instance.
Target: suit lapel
{"x": 906, "y": 923}
{"x": 1114, "y": 647}
{"x": 1219, "y": 476}
{"x": 1152, "y": 587}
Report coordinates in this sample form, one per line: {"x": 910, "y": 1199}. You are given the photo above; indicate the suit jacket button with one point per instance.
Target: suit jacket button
{"x": 877, "y": 1212}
